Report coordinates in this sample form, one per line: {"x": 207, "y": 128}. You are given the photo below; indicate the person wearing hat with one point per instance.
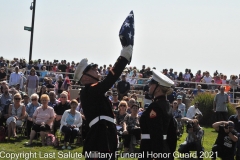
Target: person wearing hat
{"x": 157, "y": 124}
{"x": 224, "y": 146}
{"x": 97, "y": 109}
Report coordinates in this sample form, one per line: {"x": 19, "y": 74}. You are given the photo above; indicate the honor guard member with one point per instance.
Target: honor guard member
{"x": 158, "y": 127}
{"x": 97, "y": 108}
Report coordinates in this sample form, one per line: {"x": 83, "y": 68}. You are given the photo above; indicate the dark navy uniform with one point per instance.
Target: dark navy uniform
{"x": 158, "y": 130}
{"x": 102, "y": 136}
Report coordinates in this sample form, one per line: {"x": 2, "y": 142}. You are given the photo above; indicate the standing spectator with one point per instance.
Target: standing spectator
{"x": 186, "y": 76}
{"x": 3, "y": 75}
{"x": 198, "y": 76}
{"x": 224, "y": 79}
{"x": 220, "y": 105}
{"x": 175, "y": 75}
{"x": 181, "y": 106}
{"x": 226, "y": 140}
{"x": 43, "y": 73}
{"x": 16, "y": 78}
{"x": 207, "y": 77}
{"x": 233, "y": 86}
{"x": 171, "y": 73}
{"x": 115, "y": 101}
{"x": 142, "y": 70}
{"x": 58, "y": 85}
{"x": 123, "y": 87}
{"x": 36, "y": 68}
{"x": 30, "y": 109}
{"x": 32, "y": 83}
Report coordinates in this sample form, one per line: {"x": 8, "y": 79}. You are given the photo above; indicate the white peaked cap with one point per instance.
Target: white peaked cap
{"x": 80, "y": 68}
{"x": 162, "y": 79}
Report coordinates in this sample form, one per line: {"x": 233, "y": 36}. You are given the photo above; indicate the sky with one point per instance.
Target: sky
{"x": 196, "y": 34}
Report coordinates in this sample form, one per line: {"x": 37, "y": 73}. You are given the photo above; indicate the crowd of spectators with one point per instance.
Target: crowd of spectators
{"x": 37, "y": 90}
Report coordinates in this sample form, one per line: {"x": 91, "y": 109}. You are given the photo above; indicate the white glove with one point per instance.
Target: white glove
{"x": 127, "y": 52}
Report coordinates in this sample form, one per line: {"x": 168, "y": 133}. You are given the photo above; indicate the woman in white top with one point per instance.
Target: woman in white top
{"x": 70, "y": 123}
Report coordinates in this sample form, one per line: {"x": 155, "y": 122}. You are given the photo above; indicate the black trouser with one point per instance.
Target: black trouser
{"x": 127, "y": 137}
{"x": 56, "y": 126}
{"x": 39, "y": 128}
{"x": 29, "y": 127}
{"x": 221, "y": 116}
{"x": 222, "y": 153}
{"x": 187, "y": 147}
{"x": 69, "y": 133}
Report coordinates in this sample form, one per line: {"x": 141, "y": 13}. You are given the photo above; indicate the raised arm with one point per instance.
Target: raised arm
{"x": 117, "y": 69}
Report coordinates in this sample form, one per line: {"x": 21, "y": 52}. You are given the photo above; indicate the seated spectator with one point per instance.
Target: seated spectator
{"x": 25, "y": 100}
{"x": 225, "y": 143}
{"x": 70, "y": 123}
{"x": 131, "y": 102}
{"x": 5, "y": 96}
{"x": 121, "y": 113}
{"x": 16, "y": 115}
{"x": 50, "y": 86}
{"x": 131, "y": 127}
{"x": 194, "y": 138}
{"x": 30, "y": 109}
{"x": 53, "y": 101}
{"x": 59, "y": 109}
{"x": 193, "y": 112}
{"x": 4, "y": 113}
{"x": 42, "y": 120}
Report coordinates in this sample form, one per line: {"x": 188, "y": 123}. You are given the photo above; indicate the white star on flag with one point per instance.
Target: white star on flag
{"x": 130, "y": 35}
{"x": 127, "y": 24}
{"x": 130, "y": 15}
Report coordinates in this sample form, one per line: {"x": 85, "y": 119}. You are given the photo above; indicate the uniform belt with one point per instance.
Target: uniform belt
{"x": 95, "y": 120}
{"x": 145, "y": 136}
{"x": 164, "y": 137}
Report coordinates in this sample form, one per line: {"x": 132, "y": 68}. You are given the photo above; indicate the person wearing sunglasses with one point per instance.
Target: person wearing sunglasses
{"x": 17, "y": 114}
{"x": 30, "y": 109}
{"x": 97, "y": 108}
{"x": 158, "y": 127}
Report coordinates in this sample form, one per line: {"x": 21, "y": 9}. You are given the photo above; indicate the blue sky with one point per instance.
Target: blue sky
{"x": 178, "y": 34}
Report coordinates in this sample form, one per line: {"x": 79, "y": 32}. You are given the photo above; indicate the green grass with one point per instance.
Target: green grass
{"x": 16, "y": 146}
